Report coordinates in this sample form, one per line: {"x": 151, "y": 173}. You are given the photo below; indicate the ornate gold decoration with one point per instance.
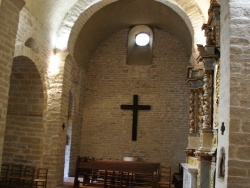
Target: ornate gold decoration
{"x": 213, "y": 24}
{"x": 206, "y": 110}
{"x": 195, "y": 78}
{"x": 189, "y": 152}
{"x": 216, "y": 95}
{"x": 193, "y": 161}
{"x": 210, "y": 35}
{"x": 200, "y": 108}
{"x": 191, "y": 111}
{"x": 199, "y": 175}
{"x": 212, "y": 173}
{"x": 207, "y": 101}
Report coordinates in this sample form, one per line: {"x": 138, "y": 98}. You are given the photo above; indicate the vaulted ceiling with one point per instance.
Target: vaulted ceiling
{"x": 115, "y": 16}
{"x": 124, "y": 15}
{"x": 52, "y": 12}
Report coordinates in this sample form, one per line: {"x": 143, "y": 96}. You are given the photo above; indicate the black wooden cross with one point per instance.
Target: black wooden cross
{"x": 135, "y": 107}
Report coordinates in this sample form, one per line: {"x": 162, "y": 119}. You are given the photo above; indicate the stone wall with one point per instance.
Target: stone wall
{"x": 162, "y": 131}
{"x": 74, "y": 123}
{"x": 9, "y": 15}
{"x": 23, "y": 140}
{"x": 35, "y": 42}
{"x": 239, "y": 142}
{"x": 24, "y": 136}
{"x": 56, "y": 117}
{"x": 34, "y": 35}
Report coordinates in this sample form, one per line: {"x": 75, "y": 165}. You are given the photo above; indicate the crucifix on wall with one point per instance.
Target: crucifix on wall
{"x": 135, "y": 107}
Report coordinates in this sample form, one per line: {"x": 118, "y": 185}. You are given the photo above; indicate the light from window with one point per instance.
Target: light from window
{"x": 142, "y": 39}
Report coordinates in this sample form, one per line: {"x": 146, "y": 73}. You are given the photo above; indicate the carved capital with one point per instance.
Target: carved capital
{"x": 205, "y": 156}
{"x": 194, "y": 74}
{"x": 193, "y": 141}
{"x": 207, "y": 55}
{"x": 209, "y": 63}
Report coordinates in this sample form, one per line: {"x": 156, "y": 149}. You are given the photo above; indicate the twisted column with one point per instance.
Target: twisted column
{"x": 207, "y": 101}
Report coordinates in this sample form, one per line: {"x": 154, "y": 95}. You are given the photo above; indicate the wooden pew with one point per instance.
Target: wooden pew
{"x": 115, "y": 173}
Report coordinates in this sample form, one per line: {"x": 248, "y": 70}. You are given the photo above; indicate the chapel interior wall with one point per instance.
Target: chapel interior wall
{"x": 162, "y": 131}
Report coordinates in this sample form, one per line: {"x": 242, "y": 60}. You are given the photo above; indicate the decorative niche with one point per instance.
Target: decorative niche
{"x": 31, "y": 43}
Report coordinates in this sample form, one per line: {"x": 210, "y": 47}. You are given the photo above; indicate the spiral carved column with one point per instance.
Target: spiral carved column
{"x": 191, "y": 111}
{"x": 195, "y": 79}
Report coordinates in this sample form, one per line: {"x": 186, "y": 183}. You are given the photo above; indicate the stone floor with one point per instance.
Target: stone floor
{"x": 68, "y": 183}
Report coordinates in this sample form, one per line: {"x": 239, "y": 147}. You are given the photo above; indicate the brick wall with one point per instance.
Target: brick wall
{"x": 162, "y": 131}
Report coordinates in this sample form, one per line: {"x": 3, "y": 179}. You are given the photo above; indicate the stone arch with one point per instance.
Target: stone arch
{"x": 83, "y": 10}
{"x": 25, "y": 116}
{"x": 21, "y": 50}
{"x": 192, "y": 15}
{"x": 25, "y": 73}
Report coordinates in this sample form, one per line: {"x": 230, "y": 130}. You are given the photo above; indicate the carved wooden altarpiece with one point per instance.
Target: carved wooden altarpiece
{"x": 204, "y": 100}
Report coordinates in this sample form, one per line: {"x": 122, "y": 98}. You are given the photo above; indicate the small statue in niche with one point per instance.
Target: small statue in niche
{"x": 210, "y": 35}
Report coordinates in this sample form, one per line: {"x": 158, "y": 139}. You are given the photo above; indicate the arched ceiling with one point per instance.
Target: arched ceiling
{"x": 51, "y": 12}
{"x": 123, "y": 15}
{"x": 113, "y": 17}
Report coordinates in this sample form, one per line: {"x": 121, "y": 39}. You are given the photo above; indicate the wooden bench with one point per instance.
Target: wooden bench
{"x": 116, "y": 173}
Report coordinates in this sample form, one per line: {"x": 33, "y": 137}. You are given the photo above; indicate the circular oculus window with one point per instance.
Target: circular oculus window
{"x": 142, "y": 39}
